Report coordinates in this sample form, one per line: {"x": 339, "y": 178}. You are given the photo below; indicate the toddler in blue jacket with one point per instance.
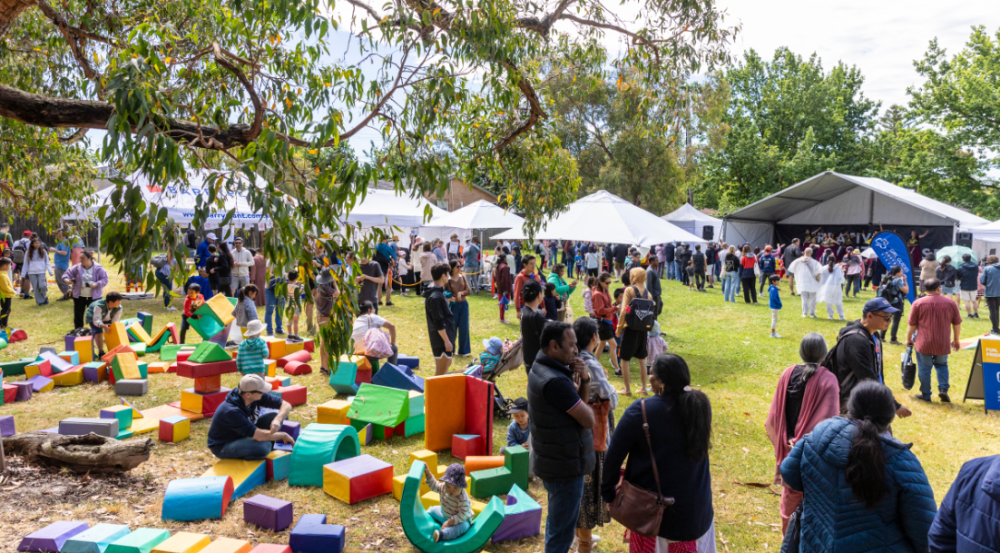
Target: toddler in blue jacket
{"x": 774, "y": 301}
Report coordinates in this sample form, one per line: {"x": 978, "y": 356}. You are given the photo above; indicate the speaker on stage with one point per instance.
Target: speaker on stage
{"x": 708, "y": 232}
{"x": 964, "y": 239}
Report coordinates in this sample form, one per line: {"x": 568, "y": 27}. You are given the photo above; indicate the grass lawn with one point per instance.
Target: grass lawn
{"x": 726, "y": 345}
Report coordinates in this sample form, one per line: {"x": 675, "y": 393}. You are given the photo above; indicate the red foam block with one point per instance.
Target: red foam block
{"x": 9, "y": 393}
{"x": 363, "y": 376}
{"x": 200, "y": 370}
{"x": 296, "y": 368}
{"x": 302, "y": 356}
{"x": 295, "y": 394}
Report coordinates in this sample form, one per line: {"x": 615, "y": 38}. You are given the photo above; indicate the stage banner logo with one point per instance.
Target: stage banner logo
{"x": 891, "y": 252}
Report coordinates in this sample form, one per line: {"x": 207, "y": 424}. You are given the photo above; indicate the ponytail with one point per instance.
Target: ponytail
{"x": 873, "y": 408}
{"x": 694, "y": 407}
{"x": 812, "y": 351}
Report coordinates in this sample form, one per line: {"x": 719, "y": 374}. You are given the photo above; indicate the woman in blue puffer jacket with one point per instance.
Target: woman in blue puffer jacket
{"x": 863, "y": 490}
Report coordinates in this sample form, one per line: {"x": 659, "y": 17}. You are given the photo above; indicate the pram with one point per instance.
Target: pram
{"x": 510, "y": 359}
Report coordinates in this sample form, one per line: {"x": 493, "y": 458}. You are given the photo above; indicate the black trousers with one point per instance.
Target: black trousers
{"x": 765, "y": 282}
{"x": 184, "y": 327}
{"x": 699, "y": 280}
{"x": 994, "y": 305}
{"x": 4, "y": 312}
{"x": 80, "y": 306}
{"x": 896, "y": 317}
{"x": 749, "y": 289}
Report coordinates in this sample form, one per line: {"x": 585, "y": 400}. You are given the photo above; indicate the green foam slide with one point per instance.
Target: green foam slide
{"x": 318, "y": 445}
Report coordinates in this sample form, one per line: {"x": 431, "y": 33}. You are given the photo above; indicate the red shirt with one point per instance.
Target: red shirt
{"x": 187, "y": 304}
{"x": 934, "y": 315}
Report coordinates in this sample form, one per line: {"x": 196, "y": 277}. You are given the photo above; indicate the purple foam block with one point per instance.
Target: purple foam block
{"x": 70, "y": 343}
{"x": 52, "y": 537}
{"x": 53, "y": 430}
{"x": 268, "y": 512}
{"x": 280, "y": 446}
{"x": 520, "y": 523}
{"x": 58, "y": 363}
{"x": 38, "y": 382}
{"x": 222, "y": 337}
{"x": 47, "y": 350}
{"x": 24, "y": 390}
{"x": 7, "y": 426}
{"x": 90, "y": 374}
{"x": 291, "y": 428}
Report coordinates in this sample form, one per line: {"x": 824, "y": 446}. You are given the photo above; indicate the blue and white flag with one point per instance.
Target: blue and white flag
{"x": 892, "y": 251}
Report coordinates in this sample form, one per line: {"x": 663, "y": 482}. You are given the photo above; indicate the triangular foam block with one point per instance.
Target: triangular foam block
{"x": 209, "y": 352}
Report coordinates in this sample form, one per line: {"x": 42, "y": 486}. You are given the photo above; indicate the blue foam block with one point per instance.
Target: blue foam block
{"x": 409, "y": 361}
{"x": 399, "y": 377}
{"x": 197, "y": 498}
{"x": 313, "y": 535}
{"x": 95, "y": 540}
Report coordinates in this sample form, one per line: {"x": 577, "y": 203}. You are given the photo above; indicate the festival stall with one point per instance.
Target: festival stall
{"x": 847, "y": 204}
{"x": 986, "y": 239}
{"x": 694, "y": 221}
{"x": 480, "y": 215}
{"x": 605, "y": 218}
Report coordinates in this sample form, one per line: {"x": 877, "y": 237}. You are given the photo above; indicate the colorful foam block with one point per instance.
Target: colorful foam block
{"x": 116, "y": 336}
{"x": 110, "y": 355}
{"x": 457, "y": 404}
{"x": 277, "y": 465}
{"x": 43, "y": 368}
{"x": 522, "y": 517}
{"x": 208, "y": 384}
{"x": 189, "y": 369}
{"x": 24, "y": 390}
{"x": 7, "y": 426}
{"x": 499, "y": 481}
{"x": 96, "y": 539}
{"x": 313, "y": 535}
{"x": 52, "y": 537}
{"x": 398, "y": 376}
{"x": 17, "y": 335}
{"x": 78, "y": 426}
{"x": 142, "y": 540}
{"x": 208, "y": 352}
{"x": 343, "y": 379}
{"x": 292, "y": 347}
{"x": 228, "y": 545}
{"x": 246, "y": 475}
{"x": 380, "y": 406}
{"x": 319, "y": 445}
{"x": 71, "y": 357}
{"x": 95, "y": 371}
{"x": 268, "y": 512}
{"x": 9, "y": 394}
{"x": 271, "y": 548}
{"x": 58, "y": 363}
{"x": 15, "y": 368}
{"x": 40, "y": 383}
{"x": 216, "y": 314}
{"x": 121, "y": 412}
{"x": 205, "y": 404}
{"x": 334, "y": 411}
{"x": 416, "y": 403}
{"x": 462, "y": 445}
{"x": 136, "y": 331}
{"x": 408, "y": 361}
{"x": 296, "y": 395}
{"x": 419, "y": 527}
{"x": 174, "y": 429}
{"x": 71, "y": 377}
{"x": 131, "y": 387}
{"x": 144, "y": 425}
{"x": 301, "y": 356}
{"x": 84, "y": 347}
{"x": 363, "y": 376}
{"x": 146, "y": 319}
{"x": 357, "y": 479}
{"x": 296, "y": 368}
{"x": 474, "y": 463}
{"x": 183, "y": 542}
{"x": 125, "y": 367}
{"x": 275, "y": 347}
{"x": 197, "y": 498}
{"x": 169, "y": 352}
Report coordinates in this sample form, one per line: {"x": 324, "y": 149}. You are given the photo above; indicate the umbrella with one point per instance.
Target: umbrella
{"x": 604, "y": 217}
{"x": 956, "y": 253}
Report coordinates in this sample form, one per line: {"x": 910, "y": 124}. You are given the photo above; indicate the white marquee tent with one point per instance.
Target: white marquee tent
{"x": 604, "y": 217}
{"x": 833, "y": 199}
{"x": 386, "y": 208}
{"x": 986, "y": 239}
{"x": 689, "y": 218}
{"x": 478, "y": 215}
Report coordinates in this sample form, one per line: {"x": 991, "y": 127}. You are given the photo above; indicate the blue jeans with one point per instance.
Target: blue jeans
{"x": 248, "y": 448}
{"x": 924, "y": 364}
{"x": 451, "y": 532}
{"x": 274, "y": 306}
{"x": 730, "y": 281}
{"x": 168, "y": 284}
{"x": 671, "y": 271}
{"x": 678, "y": 275}
{"x": 460, "y": 310}
{"x": 565, "y": 495}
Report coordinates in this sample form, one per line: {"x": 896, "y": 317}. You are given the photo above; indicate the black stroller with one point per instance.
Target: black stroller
{"x": 510, "y": 359}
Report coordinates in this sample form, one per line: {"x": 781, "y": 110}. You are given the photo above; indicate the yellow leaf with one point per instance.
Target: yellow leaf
{"x": 167, "y": 60}
{"x": 313, "y": 151}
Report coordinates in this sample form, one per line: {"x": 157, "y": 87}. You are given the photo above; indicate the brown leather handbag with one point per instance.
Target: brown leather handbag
{"x": 639, "y": 510}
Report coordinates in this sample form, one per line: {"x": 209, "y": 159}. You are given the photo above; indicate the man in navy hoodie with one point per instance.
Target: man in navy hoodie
{"x": 967, "y": 519}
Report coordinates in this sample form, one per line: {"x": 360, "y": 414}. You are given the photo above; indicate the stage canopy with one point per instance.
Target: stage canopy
{"x": 690, "y": 219}
{"x": 845, "y": 203}
{"x": 604, "y": 217}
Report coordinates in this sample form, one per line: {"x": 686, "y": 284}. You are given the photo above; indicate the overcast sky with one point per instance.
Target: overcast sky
{"x": 881, "y": 37}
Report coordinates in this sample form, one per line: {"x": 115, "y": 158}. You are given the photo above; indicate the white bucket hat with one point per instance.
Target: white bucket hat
{"x": 254, "y": 328}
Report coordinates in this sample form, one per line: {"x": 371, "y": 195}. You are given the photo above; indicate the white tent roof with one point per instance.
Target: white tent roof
{"x": 862, "y": 200}
{"x": 386, "y": 208}
{"x": 180, "y": 201}
{"x": 604, "y": 217}
{"x": 478, "y": 215}
{"x": 687, "y": 212}
{"x": 987, "y": 233}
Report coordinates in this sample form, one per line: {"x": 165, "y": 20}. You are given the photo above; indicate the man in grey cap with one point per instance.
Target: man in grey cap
{"x": 239, "y": 431}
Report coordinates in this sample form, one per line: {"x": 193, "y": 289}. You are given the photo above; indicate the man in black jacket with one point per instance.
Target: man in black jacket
{"x": 668, "y": 257}
{"x": 858, "y": 353}
{"x": 621, "y": 255}
{"x": 968, "y": 284}
{"x": 562, "y": 443}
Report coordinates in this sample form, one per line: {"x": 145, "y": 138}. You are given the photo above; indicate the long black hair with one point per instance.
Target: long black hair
{"x": 695, "y": 409}
{"x": 246, "y": 290}
{"x": 872, "y": 406}
{"x": 812, "y": 351}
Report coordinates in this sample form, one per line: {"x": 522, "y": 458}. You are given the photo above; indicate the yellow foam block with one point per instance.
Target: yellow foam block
{"x": 275, "y": 347}
{"x": 272, "y": 367}
{"x": 191, "y": 401}
{"x": 129, "y": 366}
{"x": 397, "y": 487}
{"x": 334, "y": 411}
{"x": 135, "y": 412}
{"x": 158, "y": 367}
{"x": 85, "y": 348}
{"x": 156, "y": 338}
{"x": 221, "y": 308}
{"x": 139, "y": 332}
{"x": 31, "y": 371}
{"x": 183, "y": 542}
{"x": 116, "y": 336}
{"x": 47, "y": 388}
{"x": 227, "y": 545}
{"x": 237, "y": 469}
{"x": 336, "y": 485}
{"x": 145, "y": 424}
{"x": 69, "y": 378}
{"x": 182, "y": 430}
{"x": 292, "y": 347}
{"x": 432, "y": 499}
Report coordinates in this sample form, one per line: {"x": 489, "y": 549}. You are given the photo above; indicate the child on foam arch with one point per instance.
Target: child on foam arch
{"x": 455, "y": 512}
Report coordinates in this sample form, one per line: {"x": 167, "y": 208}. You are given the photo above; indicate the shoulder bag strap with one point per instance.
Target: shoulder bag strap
{"x": 649, "y": 443}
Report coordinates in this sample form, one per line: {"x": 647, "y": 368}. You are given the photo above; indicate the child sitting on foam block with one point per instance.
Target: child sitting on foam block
{"x": 253, "y": 350}
{"x": 455, "y": 512}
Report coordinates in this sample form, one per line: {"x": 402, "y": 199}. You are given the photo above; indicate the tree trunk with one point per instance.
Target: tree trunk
{"x": 89, "y": 453}
{"x": 9, "y": 10}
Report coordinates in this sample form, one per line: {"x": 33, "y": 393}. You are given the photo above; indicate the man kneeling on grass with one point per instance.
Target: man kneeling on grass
{"x": 238, "y": 429}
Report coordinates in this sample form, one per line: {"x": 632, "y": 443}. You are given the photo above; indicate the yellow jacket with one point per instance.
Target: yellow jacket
{"x": 637, "y": 274}
{"x": 6, "y": 288}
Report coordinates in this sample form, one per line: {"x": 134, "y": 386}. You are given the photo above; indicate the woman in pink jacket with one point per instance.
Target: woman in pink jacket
{"x": 807, "y": 395}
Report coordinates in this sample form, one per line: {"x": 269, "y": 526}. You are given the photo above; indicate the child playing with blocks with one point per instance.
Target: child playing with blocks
{"x": 518, "y": 433}
{"x": 455, "y": 512}
{"x": 6, "y": 292}
{"x": 192, "y": 302}
{"x": 253, "y": 350}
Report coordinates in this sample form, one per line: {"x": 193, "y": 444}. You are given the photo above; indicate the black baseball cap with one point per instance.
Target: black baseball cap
{"x": 518, "y": 405}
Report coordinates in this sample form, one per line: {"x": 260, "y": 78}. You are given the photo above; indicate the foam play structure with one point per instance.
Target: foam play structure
{"x": 357, "y": 479}
{"x": 522, "y": 517}
{"x": 7, "y": 426}
{"x": 96, "y": 539}
{"x": 183, "y": 542}
{"x": 197, "y": 498}
{"x": 141, "y": 540}
{"x": 458, "y": 404}
{"x": 318, "y": 445}
{"x": 334, "y": 411}
{"x": 52, "y": 537}
{"x": 419, "y": 527}
{"x": 174, "y": 429}
{"x": 499, "y": 481}
{"x": 398, "y": 376}
{"x": 268, "y": 512}
{"x": 390, "y": 411}
{"x": 216, "y": 314}
{"x": 246, "y": 475}
{"x": 313, "y": 535}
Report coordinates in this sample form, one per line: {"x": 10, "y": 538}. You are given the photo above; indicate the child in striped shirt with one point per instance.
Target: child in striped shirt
{"x": 253, "y": 350}
{"x": 455, "y": 512}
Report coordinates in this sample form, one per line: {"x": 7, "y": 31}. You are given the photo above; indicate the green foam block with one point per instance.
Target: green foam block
{"x": 209, "y": 352}
{"x": 380, "y": 405}
{"x": 318, "y": 445}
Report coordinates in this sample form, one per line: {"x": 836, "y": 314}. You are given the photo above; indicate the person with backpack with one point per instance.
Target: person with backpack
{"x": 768, "y": 266}
{"x": 858, "y": 354}
{"x": 18, "y": 255}
{"x": 637, "y": 315}
{"x": 968, "y": 284}
{"x": 990, "y": 279}
{"x": 894, "y": 289}
{"x": 863, "y": 490}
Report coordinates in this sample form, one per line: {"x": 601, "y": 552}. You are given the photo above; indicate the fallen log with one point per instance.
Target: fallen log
{"x": 82, "y": 454}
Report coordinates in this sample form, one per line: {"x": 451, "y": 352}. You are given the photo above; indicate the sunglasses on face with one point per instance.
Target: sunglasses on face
{"x": 885, "y": 318}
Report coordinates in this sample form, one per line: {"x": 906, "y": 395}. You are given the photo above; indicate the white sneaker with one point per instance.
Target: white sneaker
{"x": 171, "y": 309}
{"x": 775, "y": 335}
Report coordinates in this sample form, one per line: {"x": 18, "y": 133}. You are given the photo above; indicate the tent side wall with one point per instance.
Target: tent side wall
{"x": 740, "y": 231}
